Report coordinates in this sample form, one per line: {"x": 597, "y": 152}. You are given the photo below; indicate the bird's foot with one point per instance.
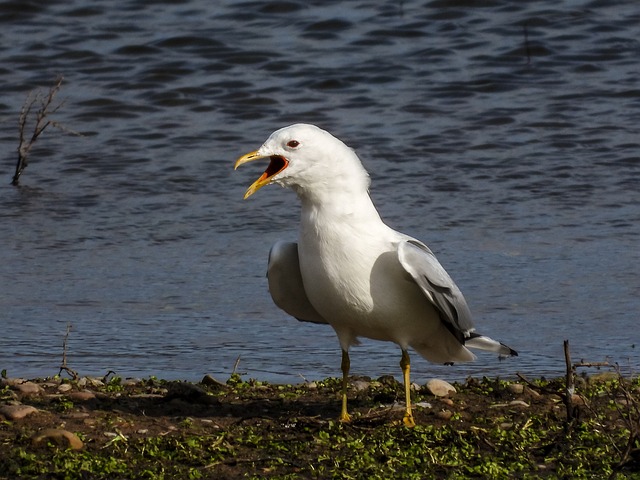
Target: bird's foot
{"x": 344, "y": 418}
{"x": 408, "y": 420}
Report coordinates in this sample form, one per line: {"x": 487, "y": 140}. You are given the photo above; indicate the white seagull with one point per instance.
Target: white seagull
{"x": 353, "y": 272}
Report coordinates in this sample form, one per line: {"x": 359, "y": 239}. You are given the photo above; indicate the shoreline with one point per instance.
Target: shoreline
{"x": 151, "y": 428}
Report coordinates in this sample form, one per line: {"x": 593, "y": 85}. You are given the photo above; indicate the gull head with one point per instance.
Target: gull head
{"x": 308, "y": 160}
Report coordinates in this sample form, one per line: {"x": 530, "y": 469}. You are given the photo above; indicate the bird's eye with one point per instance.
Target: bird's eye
{"x": 293, "y": 143}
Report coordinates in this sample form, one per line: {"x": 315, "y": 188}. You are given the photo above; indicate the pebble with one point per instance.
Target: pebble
{"x": 423, "y": 404}
{"x": 515, "y": 388}
{"x": 447, "y": 401}
{"x": 312, "y": 385}
{"x": 28, "y": 388}
{"x": 17, "y": 412}
{"x": 129, "y": 382}
{"x": 444, "y": 414}
{"x": 60, "y": 437}
{"x": 94, "y": 382}
{"x": 65, "y": 387}
{"x": 360, "y": 385}
{"x": 10, "y": 382}
{"x": 82, "y": 396}
{"x": 440, "y": 388}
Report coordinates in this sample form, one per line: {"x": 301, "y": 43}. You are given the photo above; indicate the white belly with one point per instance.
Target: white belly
{"x": 364, "y": 292}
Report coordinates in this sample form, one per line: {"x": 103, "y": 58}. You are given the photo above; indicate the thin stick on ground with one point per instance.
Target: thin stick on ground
{"x": 569, "y": 386}
{"x": 63, "y": 366}
{"x": 45, "y": 107}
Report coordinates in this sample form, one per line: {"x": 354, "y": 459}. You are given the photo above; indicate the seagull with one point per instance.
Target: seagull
{"x": 352, "y": 271}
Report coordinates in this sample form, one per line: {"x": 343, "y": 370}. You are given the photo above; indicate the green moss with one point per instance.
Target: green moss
{"x": 256, "y": 430}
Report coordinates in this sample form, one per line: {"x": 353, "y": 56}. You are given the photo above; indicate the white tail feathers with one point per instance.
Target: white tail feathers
{"x": 482, "y": 342}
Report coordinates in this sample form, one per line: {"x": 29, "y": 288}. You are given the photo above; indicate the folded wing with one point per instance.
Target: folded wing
{"x": 285, "y": 283}
{"x": 436, "y": 284}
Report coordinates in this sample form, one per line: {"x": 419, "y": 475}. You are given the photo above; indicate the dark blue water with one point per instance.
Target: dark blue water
{"x": 503, "y": 134}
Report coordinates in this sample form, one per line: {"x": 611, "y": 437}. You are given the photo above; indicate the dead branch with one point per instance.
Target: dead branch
{"x": 63, "y": 366}
{"x": 235, "y": 366}
{"x": 44, "y": 105}
{"x": 569, "y": 385}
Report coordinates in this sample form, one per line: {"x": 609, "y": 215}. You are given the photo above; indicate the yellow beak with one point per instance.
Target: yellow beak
{"x": 276, "y": 165}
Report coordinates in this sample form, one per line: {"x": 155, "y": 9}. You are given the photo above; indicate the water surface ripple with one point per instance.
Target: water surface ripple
{"x": 503, "y": 134}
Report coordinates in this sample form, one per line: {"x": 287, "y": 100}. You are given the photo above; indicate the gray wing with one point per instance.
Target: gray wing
{"x": 285, "y": 283}
{"x": 434, "y": 281}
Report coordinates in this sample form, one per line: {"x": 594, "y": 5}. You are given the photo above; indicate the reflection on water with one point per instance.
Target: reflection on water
{"x": 503, "y": 135}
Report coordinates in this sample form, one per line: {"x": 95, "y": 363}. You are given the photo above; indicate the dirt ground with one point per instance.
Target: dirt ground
{"x": 236, "y": 429}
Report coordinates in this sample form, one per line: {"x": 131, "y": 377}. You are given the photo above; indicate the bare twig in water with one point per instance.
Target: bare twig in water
{"x": 44, "y": 107}
{"x": 569, "y": 386}
{"x": 63, "y": 366}
{"x": 235, "y": 366}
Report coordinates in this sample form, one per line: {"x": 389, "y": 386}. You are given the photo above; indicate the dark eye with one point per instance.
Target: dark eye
{"x": 293, "y": 143}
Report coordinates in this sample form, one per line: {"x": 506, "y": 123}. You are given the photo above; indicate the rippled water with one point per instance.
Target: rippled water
{"x": 504, "y": 134}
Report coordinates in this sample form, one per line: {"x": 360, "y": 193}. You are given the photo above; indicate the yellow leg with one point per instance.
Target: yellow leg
{"x": 345, "y": 365}
{"x": 405, "y": 364}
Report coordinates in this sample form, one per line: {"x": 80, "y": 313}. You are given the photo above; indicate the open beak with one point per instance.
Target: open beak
{"x": 276, "y": 165}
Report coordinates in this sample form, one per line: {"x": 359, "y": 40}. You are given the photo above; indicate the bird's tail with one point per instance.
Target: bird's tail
{"x": 482, "y": 342}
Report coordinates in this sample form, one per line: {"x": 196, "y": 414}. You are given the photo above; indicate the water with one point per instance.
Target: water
{"x": 504, "y": 135}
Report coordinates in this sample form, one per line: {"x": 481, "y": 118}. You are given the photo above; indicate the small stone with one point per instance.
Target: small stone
{"x": 519, "y": 403}
{"x": 360, "y": 385}
{"x": 515, "y": 388}
{"x": 444, "y": 415}
{"x": 17, "y": 412}
{"x": 64, "y": 387}
{"x": 312, "y": 385}
{"x": 423, "y": 404}
{"x": 93, "y": 382}
{"x": 60, "y": 437}
{"x": 28, "y": 388}
{"x": 82, "y": 396}
{"x": 131, "y": 382}
{"x": 506, "y": 426}
{"x": 447, "y": 401}
{"x": 10, "y": 382}
{"x": 440, "y": 388}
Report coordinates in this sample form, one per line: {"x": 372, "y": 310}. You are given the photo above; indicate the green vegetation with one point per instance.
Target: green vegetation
{"x": 248, "y": 429}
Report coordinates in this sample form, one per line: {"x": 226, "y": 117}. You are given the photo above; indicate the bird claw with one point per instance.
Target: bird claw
{"x": 344, "y": 418}
{"x": 408, "y": 421}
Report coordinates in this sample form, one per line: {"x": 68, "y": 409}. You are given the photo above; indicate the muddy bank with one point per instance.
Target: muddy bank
{"x": 149, "y": 428}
